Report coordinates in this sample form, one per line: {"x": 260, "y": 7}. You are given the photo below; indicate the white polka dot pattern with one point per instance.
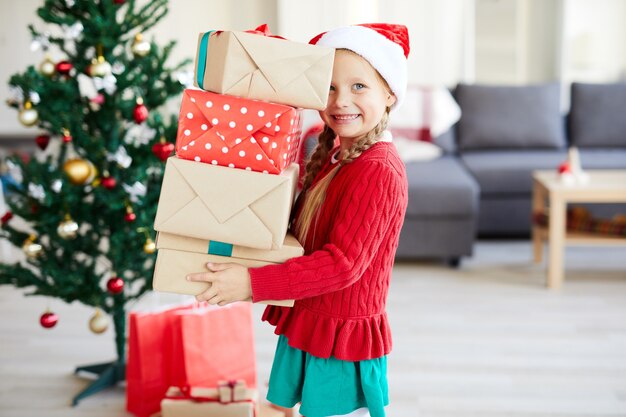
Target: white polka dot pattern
{"x": 254, "y": 135}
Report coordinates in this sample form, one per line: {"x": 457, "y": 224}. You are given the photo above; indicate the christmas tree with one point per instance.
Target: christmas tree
{"x": 82, "y": 208}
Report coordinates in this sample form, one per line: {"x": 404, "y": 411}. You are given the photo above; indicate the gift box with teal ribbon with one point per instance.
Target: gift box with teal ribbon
{"x": 179, "y": 256}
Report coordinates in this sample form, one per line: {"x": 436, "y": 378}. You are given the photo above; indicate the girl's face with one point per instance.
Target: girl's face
{"x": 357, "y": 98}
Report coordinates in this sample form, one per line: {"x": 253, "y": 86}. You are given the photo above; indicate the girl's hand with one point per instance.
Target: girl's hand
{"x": 230, "y": 282}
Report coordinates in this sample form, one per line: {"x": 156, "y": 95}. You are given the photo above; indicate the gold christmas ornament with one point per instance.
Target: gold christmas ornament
{"x": 149, "y": 247}
{"x": 68, "y": 228}
{"x": 140, "y": 47}
{"x": 99, "y": 323}
{"x": 31, "y": 248}
{"x": 80, "y": 171}
{"x": 99, "y": 66}
{"x": 47, "y": 67}
{"x": 28, "y": 116}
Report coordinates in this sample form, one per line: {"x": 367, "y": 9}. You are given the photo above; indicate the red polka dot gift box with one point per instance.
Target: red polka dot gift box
{"x": 237, "y": 132}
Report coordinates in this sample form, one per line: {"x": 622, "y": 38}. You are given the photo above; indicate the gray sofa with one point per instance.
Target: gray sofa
{"x": 482, "y": 185}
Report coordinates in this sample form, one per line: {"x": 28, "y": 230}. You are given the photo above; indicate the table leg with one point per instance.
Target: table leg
{"x": 556, "y": 242}
{"x": 538, "y": 206}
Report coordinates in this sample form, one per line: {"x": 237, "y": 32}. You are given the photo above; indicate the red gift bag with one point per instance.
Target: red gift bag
{"x": 190, "y": 345}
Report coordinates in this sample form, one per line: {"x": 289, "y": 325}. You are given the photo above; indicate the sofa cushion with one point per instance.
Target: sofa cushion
{"x": 597, "y": 158}
{"x": 597, "y": 115}
{"x": 510, "y": 117}
{"x": 440, "y": 188}
{"x": 509, "y": 172}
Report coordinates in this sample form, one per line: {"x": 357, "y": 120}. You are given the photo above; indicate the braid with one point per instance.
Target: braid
{"x": 314, "y": 197}
{"x": 325, "y": 143}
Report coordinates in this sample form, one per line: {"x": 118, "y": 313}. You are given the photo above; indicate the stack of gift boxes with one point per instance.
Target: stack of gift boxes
{"x": 227, "y": 194}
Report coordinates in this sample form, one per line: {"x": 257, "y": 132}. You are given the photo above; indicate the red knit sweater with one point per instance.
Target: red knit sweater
{"x": 341, "y": 282}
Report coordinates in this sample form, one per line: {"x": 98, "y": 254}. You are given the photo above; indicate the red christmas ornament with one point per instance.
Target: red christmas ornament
{"x": 163, "y": 149}
{"x": 119, "y": 1}
{"x": 66, "y": 136}
{"x": 7, "y": 216}
{"x": 34, "y": 208}
{"x": 140, "y": 113}
{"x": 130, "y": 217}
{"x": 565, "y": 168}
{"x": 64, "y": 67}
{"x": 109, "y": 182}
{"x": 42, "y": 141}
{"x": 115, "y": 285}
{"x": 48, "y": 320}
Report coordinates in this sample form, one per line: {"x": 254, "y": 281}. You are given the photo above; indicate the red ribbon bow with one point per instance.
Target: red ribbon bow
{"x": 262, "y": 30}
{"x": 7, "y": 216}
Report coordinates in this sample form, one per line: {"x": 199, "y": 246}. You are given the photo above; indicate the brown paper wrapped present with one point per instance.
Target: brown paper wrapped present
{"x": 207, "y": 402}
{"x": 229, "y": 205}
{"x": 262, "y": 67}
{"x": 179, "y": 256}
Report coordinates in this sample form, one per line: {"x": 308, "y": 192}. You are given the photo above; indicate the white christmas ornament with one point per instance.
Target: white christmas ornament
{"x": 108, "y": 83}
{"x": 56, "y": 185}
{"x": 41, "y": 41}
{"x": 72, "y": 32}
{"x": 139, "y": 135}
{"x": 86, "y": 86}
{"x": 15, "y": 171}
{"x": 135, "y": 191}
{"x": 121, "y": 157}
{"x": 34, "y": 97}
{"x": 36, "y": 191}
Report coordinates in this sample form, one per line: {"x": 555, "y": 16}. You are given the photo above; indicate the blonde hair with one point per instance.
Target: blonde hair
{"x": 313, "y": 197}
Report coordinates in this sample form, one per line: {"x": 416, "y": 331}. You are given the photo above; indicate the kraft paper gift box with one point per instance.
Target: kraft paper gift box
{"x": 266, "y": 68}
{"x": 209, "y": 402}
{"x": 236, "y": 206}
{"x": 237, "y": 132}
{"x": 179, "y": 256}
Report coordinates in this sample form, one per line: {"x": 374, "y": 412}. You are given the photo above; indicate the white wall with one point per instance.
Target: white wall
{"x": 517, "y": 41}
{"x": 185, "y": 20}
{"x": 491, "y": 41}
{"x": 436, "y": 29}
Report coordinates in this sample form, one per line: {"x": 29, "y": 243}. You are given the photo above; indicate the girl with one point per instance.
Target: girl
{"x": 332, "y": 346}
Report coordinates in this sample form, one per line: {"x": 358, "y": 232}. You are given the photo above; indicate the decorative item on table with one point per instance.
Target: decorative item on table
{"x": 237, "y": 132}
{"x": 255, "y": 64}
{"x": 179, "y": 256}
{"x": 229, "y": 399}
{"x": 573, "y": 158}
{"x": 570, "y": 171}
{"x": 240, "y": 207}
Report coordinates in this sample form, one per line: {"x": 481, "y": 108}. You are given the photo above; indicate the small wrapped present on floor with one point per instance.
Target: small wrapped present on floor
{"x": 255, "y": 65}
{"x": 179, "y": 256}
{"x": 229, "y": 399}
{"x": 234, "y": 206}
{"x": 237, "y": 132}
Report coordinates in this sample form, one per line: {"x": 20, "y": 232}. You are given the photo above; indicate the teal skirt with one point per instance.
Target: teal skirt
{"x": 327, "y": 387}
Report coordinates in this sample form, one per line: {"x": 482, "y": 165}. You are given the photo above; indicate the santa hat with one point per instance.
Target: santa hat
{"x": 385, "y": 46}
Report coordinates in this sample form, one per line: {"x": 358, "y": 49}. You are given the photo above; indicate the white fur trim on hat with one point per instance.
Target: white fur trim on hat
{"x": 382, "y": 53}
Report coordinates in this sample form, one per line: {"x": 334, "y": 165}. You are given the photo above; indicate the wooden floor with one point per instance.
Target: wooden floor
{"x": 487, "y": 340}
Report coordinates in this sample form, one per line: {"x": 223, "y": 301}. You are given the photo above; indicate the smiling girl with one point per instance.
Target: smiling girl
{"x": 333, "y": 343}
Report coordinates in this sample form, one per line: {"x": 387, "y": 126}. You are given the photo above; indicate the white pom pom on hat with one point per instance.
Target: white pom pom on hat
{"x": 385, "y": 46}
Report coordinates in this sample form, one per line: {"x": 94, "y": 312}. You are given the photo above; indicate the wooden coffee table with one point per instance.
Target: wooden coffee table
{"x": 604, "y": 186}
